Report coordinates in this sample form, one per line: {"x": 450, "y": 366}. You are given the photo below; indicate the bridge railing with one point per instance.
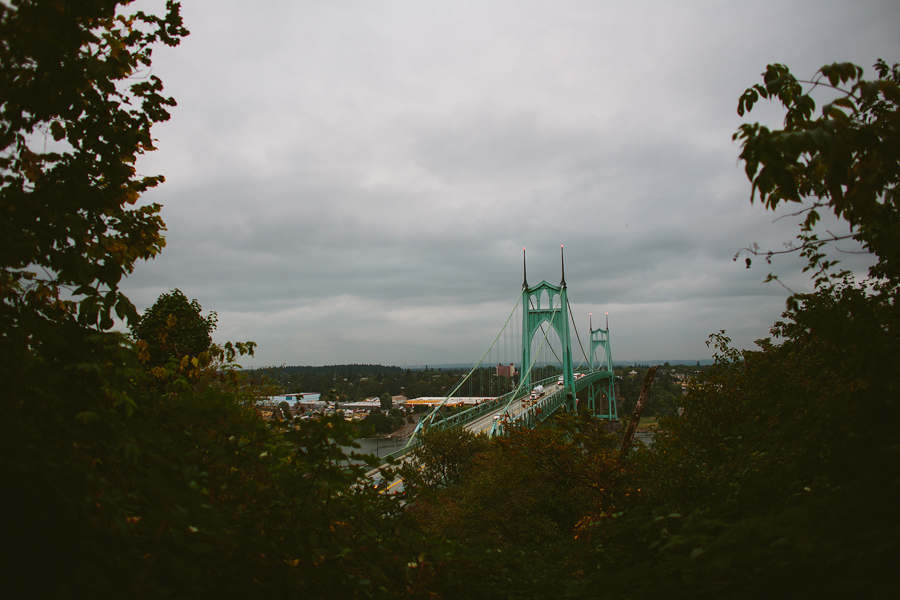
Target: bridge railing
{"x": 541, "y": 410}
{"x": 460, "y": 419}
{"x": 553, "y": 401}
{"x": 467, "y": 416}
{"x": 470, "y": 414}
{"x": 397, "y": 454}
{"x": 533, "y": 414}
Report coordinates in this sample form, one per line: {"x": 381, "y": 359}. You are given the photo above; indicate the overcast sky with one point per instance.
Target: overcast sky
{"x": 354, "y": 181}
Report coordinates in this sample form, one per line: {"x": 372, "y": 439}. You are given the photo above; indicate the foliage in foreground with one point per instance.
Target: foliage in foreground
{"x": 173, "y": 326}
{"x": 120, "y": 479}
{"x": 779, "y": 470}
{"x": 530, "y": 488}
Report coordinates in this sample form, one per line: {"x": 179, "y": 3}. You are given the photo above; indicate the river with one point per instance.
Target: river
{"x": 378, "y": 446}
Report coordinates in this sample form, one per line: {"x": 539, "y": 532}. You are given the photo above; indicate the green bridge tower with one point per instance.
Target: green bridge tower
{"x": 602, "y": 389}
{"x": 556, "y": 314}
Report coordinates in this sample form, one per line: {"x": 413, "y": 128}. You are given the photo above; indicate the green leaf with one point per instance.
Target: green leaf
{"x": 87, "y": 417}
{"x": 199, "y": 547}
{"x": 57, "y": 131}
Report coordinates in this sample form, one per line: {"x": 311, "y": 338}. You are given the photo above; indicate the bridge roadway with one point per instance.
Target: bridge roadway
{"x": 515, "y": 412}
{"x": 480, "y": 418}
{"x": 527, "y": 413}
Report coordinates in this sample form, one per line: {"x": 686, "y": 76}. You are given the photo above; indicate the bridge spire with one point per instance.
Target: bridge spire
{"x": 524, "y": 271}
{"x": 562, "y": 257}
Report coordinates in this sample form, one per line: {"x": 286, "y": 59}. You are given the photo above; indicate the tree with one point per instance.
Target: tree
{"x": 126, "y": 487}
{"x": 386, "y": 401}
{"x": 780, "y": 466}
{"x": 533, "y": 487}
{"x": 846, "y": 160}
{"x": 173, "y": 328}
{"x": 285, "y": 409}
{"x": 782, "y": 463}
{"x": 383, "y": 422}
{"x": 78, "y": 106}
{"x": 444, "y": 457}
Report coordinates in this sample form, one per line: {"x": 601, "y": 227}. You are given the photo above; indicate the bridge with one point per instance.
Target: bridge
{"x": 549, "y": 381}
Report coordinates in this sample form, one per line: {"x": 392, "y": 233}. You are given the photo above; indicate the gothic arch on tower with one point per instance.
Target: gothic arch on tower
{"x": 536, "y": 311}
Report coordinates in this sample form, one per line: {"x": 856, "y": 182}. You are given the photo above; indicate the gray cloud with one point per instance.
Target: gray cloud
{"x": 355, "y": 181}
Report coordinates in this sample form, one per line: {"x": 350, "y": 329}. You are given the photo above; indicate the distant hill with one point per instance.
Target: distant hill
{"x": 342, "y": 369}
{"x": 650, "y": 363}
{"x": 616, "y": 363}
{"x": 366, "y": 370}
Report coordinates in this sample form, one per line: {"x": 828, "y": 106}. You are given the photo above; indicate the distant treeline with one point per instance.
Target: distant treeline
{"x": 367, "y": 370}
{"x": 342, "y": 369}
{"x": 347, "y": 383}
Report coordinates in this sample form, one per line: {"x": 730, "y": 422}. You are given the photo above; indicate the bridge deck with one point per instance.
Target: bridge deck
{"x": 518, "y": 409}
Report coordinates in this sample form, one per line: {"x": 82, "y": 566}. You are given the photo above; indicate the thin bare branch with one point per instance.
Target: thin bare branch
{"x": 792, "y": 249}
{"x": 815, "y": 205}
{"x": 818, "y": 82}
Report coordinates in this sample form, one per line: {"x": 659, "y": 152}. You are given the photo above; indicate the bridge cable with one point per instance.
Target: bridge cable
{"x": 429, "y": 418}
{"x": 531, "y": 301}
{"x": 515, "y": 394}
{"x": 572, "y": 319}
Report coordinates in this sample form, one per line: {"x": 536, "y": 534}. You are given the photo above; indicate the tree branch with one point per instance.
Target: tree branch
{"x": 769, "y": 253}
{"x": 818, "y": 82}
{"x": 638, "y": 410}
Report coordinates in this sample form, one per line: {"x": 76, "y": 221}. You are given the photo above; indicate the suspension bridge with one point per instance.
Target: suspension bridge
{"x": 538, "y": 332}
